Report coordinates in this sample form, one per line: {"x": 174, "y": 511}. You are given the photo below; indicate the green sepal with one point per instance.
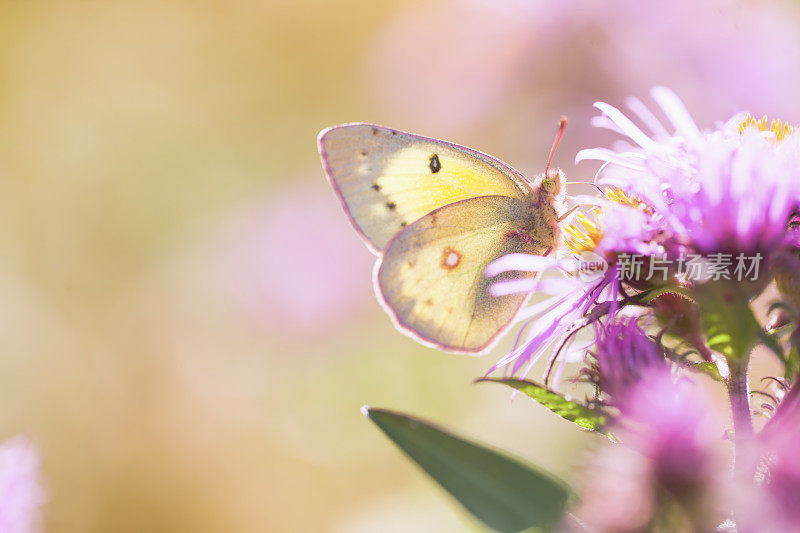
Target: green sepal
{"x": 729, "y": 323}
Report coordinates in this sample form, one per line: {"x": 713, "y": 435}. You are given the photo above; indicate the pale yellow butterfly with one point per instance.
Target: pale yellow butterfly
{"x": 435, "y": 214}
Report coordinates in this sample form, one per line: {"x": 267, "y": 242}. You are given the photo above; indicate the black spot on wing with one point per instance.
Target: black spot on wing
{"x": 434, "y": 164}
{"x": 376, "y": 187}
{"x": 391, "y": 206}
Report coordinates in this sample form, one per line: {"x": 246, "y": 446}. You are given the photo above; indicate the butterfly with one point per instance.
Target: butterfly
{"x": 436, "y": 214}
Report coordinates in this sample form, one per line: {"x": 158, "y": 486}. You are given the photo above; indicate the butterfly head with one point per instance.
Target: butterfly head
{"x": 552, "y": 182}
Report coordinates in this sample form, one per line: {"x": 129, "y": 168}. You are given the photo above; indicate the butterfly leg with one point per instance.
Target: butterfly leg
{"x": 568, "y": 213}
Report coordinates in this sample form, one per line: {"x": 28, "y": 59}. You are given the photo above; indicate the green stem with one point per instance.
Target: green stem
{"x": 739, "y": 394}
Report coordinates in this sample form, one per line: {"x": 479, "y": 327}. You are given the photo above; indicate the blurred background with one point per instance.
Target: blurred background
{"x": 187, "y": 324}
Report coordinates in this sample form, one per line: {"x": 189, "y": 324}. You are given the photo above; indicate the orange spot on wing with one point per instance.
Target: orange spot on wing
{"x": 450, "y": 258}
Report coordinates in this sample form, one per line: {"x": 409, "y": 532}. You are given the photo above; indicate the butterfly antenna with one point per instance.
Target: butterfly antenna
{"x": 562, "y": 125}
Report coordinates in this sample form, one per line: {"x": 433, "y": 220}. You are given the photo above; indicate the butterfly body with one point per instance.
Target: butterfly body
{"x": 436, "y": 214}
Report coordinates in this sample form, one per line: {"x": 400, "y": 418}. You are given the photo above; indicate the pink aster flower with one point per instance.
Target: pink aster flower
{"x": 551, "y": 324}
{"x": 623, "y": 228}
{"x": 21, "y": 494}
{"x": 669, "y": 457}
{"x": 618, "y": 493}
{"x": 625, "y": 357}
{"x": 576, "y": 300}
{"x": 773, "y": 502}
{"x": 728, "y": 190}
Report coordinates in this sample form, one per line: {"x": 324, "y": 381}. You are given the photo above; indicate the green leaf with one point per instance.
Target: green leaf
{"x": 582, "y": 415}
{"x": 504, "y": 493}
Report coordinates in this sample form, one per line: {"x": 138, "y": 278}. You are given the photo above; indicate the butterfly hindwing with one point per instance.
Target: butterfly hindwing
{"x": 431, "y": 276}
{"x": 388, "y": 179}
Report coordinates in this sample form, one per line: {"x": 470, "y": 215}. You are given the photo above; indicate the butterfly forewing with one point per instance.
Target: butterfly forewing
{"x": 388, "y": 179}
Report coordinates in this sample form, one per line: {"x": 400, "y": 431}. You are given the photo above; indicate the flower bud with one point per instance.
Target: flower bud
{"x": 625, "y": 356}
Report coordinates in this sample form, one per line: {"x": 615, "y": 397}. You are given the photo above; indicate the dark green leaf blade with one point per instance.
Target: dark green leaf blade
{"x": 582, "y": 415}
{"x": 504, "y": 493}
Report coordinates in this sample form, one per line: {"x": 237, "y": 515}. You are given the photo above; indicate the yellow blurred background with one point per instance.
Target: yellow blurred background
{"x": 187, "y": 325}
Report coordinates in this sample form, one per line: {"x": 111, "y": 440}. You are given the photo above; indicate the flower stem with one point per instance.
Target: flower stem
{"x": 739, "y": 394}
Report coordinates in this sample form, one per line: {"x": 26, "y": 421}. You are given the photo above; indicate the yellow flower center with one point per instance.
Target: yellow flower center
{"x": 585, "y": 234}
{"x": 780, "y": 129}
{"x": 582, "y": 236}
{"x": 619, "y": 196}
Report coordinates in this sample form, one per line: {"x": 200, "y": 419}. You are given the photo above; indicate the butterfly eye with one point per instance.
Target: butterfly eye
{"x": 549, "y": 184}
